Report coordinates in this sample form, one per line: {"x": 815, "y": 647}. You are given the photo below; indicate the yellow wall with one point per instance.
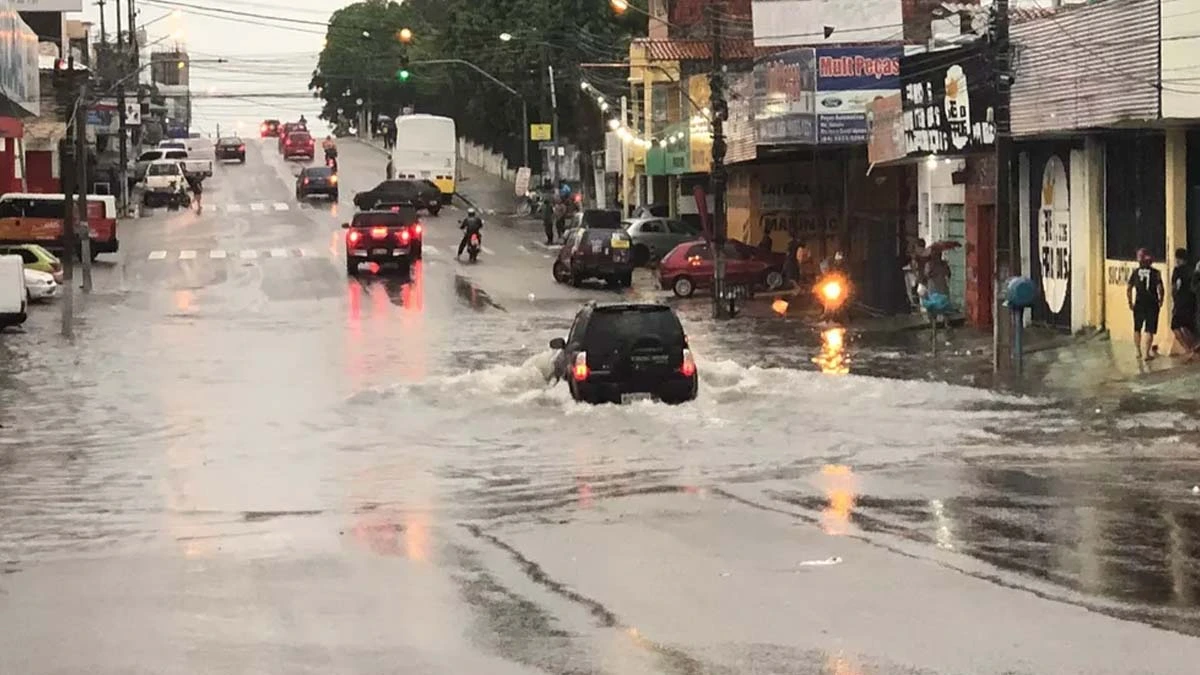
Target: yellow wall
{"x": 1117, "y": 316}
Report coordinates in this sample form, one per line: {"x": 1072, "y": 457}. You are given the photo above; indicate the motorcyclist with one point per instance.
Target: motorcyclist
{"x": 329, "y": 146}
{"x": 472, "y": 224}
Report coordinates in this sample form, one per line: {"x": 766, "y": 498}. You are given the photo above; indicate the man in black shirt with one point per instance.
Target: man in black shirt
{"x": 1145, "y": 294}
{"x": 1183, "y": 301}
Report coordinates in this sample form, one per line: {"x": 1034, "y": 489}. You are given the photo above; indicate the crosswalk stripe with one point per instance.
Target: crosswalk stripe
{"x": 248, "y": 254}
{"x": 216, "y": 253}
{"x": 233, "y": 208}
{"x": 303, "y": 253}
{"x": 280, "y": 206}
{"x": 279, "y": 253}
{"x": 258, "y": 207}
{"x": 187, "y": 255}
{"x": 426, "y": 248}
{"x": 158, "y": 255}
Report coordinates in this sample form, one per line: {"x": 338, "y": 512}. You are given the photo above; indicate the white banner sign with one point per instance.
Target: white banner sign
{"x": 133, "y": 114}
{"x": 521, "y": 185}
{"x": 614, "y": 153}
{"x": 785, "y": 23}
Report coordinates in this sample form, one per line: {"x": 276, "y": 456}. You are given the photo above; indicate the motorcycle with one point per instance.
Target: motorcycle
{"x": 331, "y": 162}
{"x": 473, "y": 246}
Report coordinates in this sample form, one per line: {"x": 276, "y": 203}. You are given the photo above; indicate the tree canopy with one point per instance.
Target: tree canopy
{"x": 363, "y": 52}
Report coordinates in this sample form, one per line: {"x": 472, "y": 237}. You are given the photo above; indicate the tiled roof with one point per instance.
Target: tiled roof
{"x": 701, "y": 50}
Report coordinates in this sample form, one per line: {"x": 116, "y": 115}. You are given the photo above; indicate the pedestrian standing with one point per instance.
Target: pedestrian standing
{"x": 1145, "y": 293}
{"x": 1183, "y": 302}
{"x": 937, "y": 287}
{"x": 548, "y": 220}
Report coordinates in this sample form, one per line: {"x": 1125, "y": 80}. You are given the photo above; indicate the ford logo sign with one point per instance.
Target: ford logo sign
{"x": 831, "y": 102}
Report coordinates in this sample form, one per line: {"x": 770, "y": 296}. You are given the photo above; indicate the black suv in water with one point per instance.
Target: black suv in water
{"x": 382, "y": 237}
{"x": 620, "y": 352}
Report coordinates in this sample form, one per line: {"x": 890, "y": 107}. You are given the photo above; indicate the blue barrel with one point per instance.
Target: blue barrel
{"x": 1020, "y": 293}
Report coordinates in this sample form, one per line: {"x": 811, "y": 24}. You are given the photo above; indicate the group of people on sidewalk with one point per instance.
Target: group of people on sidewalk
{"x": 1146, "y": 294}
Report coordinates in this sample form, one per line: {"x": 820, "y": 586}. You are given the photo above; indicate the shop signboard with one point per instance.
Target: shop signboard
{"x": 784, "y": 97}
{"x": 849, "y": 79}
{"x": 740, "y": 133}
{"x": 19, "y": 60}
{"x": 885, "y": 125}
{"x": 786, "y": 23}
{"x": 948, "y": 101}
{"x": 48, "y": 5}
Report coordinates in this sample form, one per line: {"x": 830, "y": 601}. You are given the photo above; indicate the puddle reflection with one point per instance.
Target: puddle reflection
{"x": 833, "y": 359}
{"x": 841, "y": 491}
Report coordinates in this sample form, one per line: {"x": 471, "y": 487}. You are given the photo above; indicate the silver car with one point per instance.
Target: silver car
{"x": 655, "y": 237}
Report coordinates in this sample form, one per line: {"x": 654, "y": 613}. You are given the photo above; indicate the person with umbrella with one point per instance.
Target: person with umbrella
{"x": 936, "y": 298}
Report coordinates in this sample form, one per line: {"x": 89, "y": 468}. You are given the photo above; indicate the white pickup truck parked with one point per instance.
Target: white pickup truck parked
{"x": 164, "y": 180}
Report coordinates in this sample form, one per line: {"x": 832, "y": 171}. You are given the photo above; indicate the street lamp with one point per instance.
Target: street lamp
{"x": 619, "y": 6}
{"x": 405, "y": 35}
{"x": 506, "y": 37}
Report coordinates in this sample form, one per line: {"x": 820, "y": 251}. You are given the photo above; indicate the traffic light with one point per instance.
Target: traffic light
{"x": 404, "y": 35}
{"x": 403, "y": 74}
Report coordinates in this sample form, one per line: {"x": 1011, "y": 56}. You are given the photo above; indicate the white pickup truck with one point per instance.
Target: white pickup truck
{"x": 193, "y": 167}
{"x": 164, "y": 180}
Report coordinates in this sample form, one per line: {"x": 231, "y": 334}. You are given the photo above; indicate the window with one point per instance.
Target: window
{"x": 653, "y": 227}
{"x": 229, "y": 141}
{"x": 610, "y": 330}
{"x": 680, "y": 227}
{"x": 1134, "y": 195}
{"x": 44, "y": 208}
{"x": 176, "y": 154}
{"x": 701, "y": 251}
{"x": 9, "y": 208}
{"x": 163, "y": 169}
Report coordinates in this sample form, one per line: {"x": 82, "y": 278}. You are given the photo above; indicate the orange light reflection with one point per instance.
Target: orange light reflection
{"x": 841, "y": 491}
{"x": 832, "y": 359}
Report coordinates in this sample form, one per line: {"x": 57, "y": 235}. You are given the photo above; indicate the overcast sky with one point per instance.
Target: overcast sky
{"x": 265, "y": 56}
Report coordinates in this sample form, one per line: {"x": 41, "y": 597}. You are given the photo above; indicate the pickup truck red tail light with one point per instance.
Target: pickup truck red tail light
{"x": 379, "y": 233}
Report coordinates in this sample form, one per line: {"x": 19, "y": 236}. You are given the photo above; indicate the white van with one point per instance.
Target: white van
{"x": 12, "y": 291}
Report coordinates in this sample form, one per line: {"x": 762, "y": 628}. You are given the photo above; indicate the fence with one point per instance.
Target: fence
{"x": 484, "y": 158}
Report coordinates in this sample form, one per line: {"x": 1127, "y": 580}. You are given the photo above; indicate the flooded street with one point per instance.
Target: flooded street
{"x": 247, "y": 462}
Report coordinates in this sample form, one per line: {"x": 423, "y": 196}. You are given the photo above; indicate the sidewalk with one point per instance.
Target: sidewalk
{"x": 488, "y": 194}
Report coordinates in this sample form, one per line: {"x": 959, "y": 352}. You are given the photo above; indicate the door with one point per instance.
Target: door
{"x": 954, "y": 218}
{"x": 653, "y": 234}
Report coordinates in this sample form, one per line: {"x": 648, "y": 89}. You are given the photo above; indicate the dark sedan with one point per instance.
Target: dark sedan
{"x": 390, "y": 194}
{"x": 231, "y": 148}
{"x": 317, "y": 180}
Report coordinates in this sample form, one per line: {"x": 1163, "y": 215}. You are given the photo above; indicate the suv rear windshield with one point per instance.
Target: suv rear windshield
{"x": 612, "y": 329}
{"x": 404, "y": 216}
{"x": 229, "y": 141}
{"x": 318, "y": 172}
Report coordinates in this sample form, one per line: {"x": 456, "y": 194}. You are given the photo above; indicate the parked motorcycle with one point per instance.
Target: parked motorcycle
{"x": 178, "y": 198}
{"x": 473, "y": 246}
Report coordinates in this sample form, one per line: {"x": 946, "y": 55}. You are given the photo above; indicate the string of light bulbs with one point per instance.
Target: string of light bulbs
{"x": 627, "y": 135}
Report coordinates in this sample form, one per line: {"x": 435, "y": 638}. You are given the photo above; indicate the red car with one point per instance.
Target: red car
{"x": 298, "y": 144}
{"x": 690, "y": 266}
{"x": 269, "y": 128}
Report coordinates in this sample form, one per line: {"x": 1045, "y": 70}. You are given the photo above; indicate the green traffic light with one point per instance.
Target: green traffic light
{"x": 403, "y": 75}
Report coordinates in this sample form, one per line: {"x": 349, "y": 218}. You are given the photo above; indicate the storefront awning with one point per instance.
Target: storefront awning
{"x": 44, "y": 134}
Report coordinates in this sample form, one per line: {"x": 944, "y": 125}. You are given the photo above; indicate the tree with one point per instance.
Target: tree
{"x": 563, "y": 33}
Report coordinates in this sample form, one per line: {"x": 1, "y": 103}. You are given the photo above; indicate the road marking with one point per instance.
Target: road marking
{"x": 426, "y": 248}
{"x": 187, "y": 255}
{"x": 249, "y": 254}
{"x": 217, "y": 254}
{"x": 486, "y": 250}
{"x": 234, "y": 208}
{"x": 280, "y": 206}
{"x": 279, "y": 253}
{"x": 303, "y": 253}
{"x": 258, "y": 207}
{"x": 158, "y": 255}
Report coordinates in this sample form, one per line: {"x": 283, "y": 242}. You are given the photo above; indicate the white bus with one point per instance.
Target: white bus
{"x": 427, "y": 148}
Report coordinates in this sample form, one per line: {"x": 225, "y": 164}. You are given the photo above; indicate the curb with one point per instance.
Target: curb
{"x": 370, "y": 145}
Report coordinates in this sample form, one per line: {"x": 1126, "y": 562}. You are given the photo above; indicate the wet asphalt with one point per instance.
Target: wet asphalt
{"x": 246, "y": 462}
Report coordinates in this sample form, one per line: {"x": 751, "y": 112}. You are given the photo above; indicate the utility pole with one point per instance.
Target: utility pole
{"x": 123, "y": 129}
{"x": 69, "y": 204}
{"x": 553, "y": 127}
{"x": 723, "y": 302}
{"x": 1007, "y": 260}
{"x": 81, "y": 184}
{"x": 103, "y": 34}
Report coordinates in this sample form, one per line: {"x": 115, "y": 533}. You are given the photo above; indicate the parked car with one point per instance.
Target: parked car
{"x": 622, "y": 352}
{"x": 14, "y": 298}
{"x": 231, "y": 147}
{"x": 191, "y": 166}
{"x": 690, "y": 266}
{"x": 316, "y": 180}
{"x": 39, "y": 286}
{"x": 401, "y": 193}
{"x": 36, "y": 258}
{"x": 655, "y": 237}
{"x": 595, "y": 253}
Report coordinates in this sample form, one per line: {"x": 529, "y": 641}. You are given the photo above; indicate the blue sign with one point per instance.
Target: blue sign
{"x": 848, "y": 80}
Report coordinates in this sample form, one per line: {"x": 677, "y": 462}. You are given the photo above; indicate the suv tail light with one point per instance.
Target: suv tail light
{"x": 580, "y": 371}
{"x": 333, "y": 179}
{"x": 403, "y": 236}
{"x": 378, "y": 232}
{"x": 241, "y": 148}
{"x": 306, "y": 181}
{"x": 354, "y": 236}
{"x": 419, "y": 230}
{"x": 689, "y": 364}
